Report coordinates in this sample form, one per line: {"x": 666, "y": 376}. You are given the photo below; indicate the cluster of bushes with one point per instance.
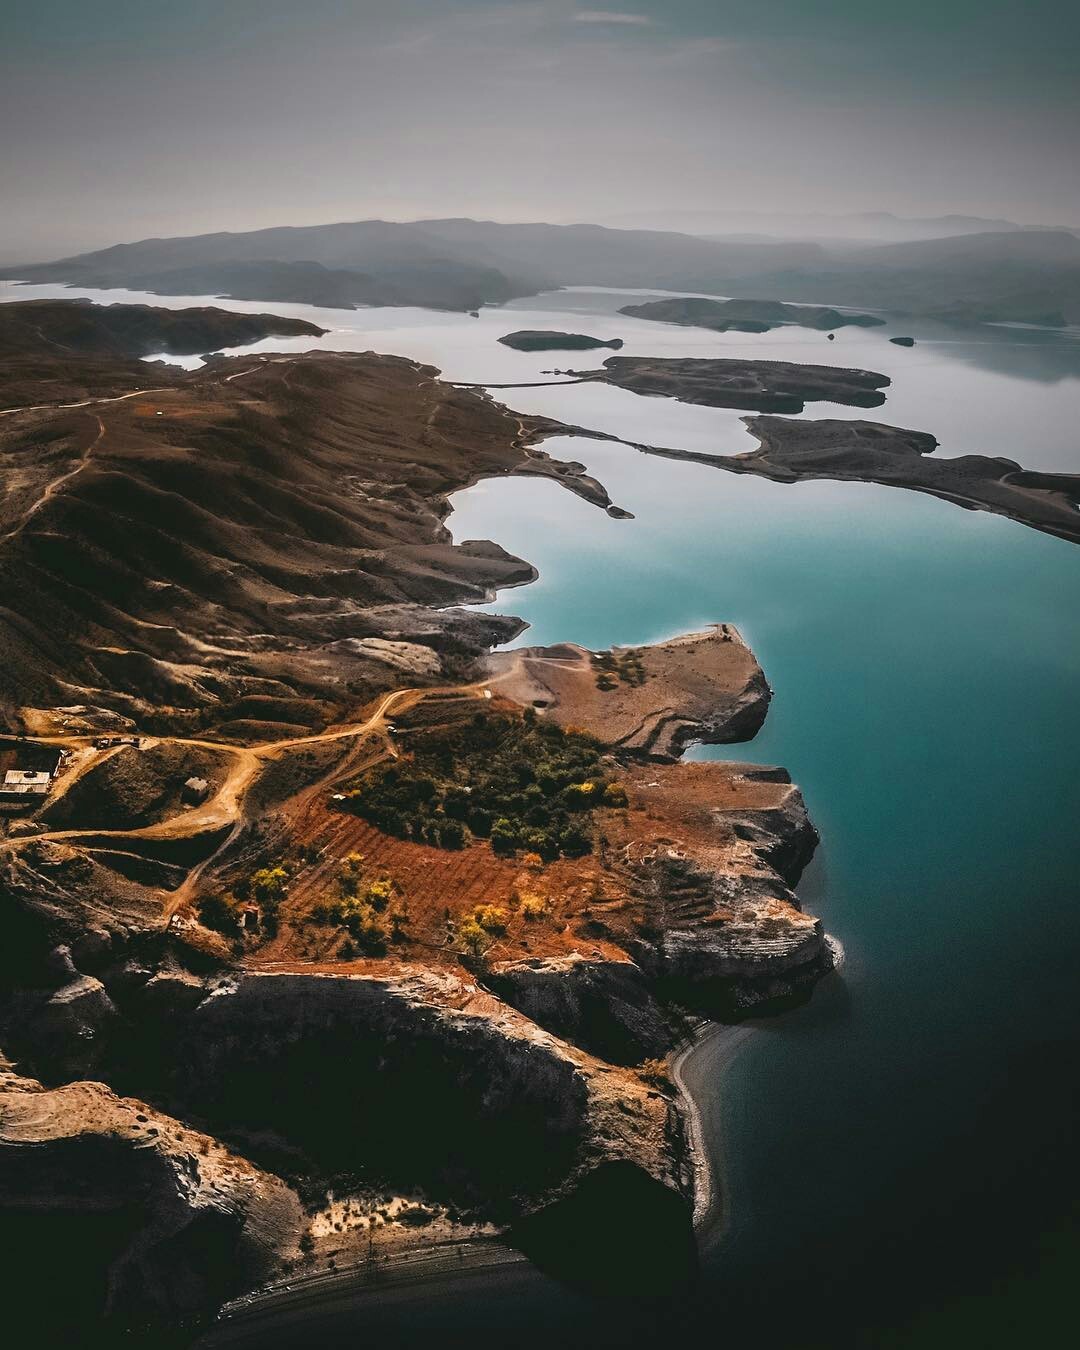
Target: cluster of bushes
{"x": 267, "y": 887}
{"x": 613, "y": 667}
{"x": 519, "y": 782}
{"x": 368, "y": 907}
{"x": 477, "y": 931}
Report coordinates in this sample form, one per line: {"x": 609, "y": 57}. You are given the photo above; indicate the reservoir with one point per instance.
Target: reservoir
{"x": 897, "y": 1157}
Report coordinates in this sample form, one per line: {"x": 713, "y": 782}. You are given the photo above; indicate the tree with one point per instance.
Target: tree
{"x": 504, "y": 837}
{"x": 491, "y": 918}
{"x": 218, "y": 911}
{"x": 575, "y": 842}
{"x": 378, "y": 893}
{"x": 452, "y": 834}
{"x": 615, "y": 795}
{"x": 473, "y": 939}
{"x": 268, "y": 884}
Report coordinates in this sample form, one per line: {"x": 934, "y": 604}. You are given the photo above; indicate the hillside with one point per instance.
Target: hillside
{"x": 1025, "y": 277}
{"x": 53, "y": 349}
{"x": 247, "y": 543}
{"x": 445, "y": 264}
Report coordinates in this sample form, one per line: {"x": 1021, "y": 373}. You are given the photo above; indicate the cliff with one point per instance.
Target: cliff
{"x": 157, "y": 1220}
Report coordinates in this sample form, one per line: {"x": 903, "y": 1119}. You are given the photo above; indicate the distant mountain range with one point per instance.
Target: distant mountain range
{"x": 1023, "y": 275}
{"x": 446, "y": 264}
{"x": 868, "y": 226}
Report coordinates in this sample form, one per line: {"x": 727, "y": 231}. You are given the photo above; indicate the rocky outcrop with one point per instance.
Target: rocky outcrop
{"x": 718, "y": 928}
{"x": 606, "y": 1007}
{"x": 419, "y": 1077}
{"x": 133, "y": 787}
{"x": 646, "y": 702}
{"x": 731, "y": 945}
{"x": 72, "y": 1027}
{"x": 164, "y": 1222}
{"x": 52, "y": 895}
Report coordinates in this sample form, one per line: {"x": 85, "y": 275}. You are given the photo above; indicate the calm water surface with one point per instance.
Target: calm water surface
{"x": 897, "y": 1157}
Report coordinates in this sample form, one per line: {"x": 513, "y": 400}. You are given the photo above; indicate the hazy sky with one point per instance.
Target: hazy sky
{"x": 126, "y": 118}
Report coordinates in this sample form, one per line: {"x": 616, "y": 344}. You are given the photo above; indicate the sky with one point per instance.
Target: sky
{"x": 123, "y": 119}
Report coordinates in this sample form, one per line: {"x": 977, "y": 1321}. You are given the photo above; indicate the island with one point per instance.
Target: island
{"x": 761, "y": 386}
{"x": 332, "y": 937}
{"x": 745, "y": 316}
{"x": 539, "y": 340}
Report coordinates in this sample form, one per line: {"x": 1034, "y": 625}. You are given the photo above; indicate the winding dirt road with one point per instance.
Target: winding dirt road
{"x": 225, "y": 809}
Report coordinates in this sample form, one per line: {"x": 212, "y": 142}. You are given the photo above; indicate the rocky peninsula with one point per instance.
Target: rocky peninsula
{"x": 872, "y": 452}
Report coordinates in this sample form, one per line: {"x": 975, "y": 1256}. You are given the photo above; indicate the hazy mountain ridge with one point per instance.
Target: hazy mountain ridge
{"x": 451, "y": 264}
{"x": 459, "y": 264}
{"x": 861, "y": 226}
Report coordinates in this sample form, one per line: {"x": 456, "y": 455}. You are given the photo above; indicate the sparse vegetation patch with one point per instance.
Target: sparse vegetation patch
{"x": 613, "y": 668}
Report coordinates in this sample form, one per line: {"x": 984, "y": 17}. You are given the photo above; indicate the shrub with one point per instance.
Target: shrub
{"x": 218, "y": 911}
{"x": 491, "y": 918}
{"x": 269, "y": 884}
{"x": 575, "y": 842}
{"x": 580, "y": 796}
{"x": 534, "y": 908}
{"x": 350, "y": 872}
{"x": 504, "y": 837}
{"x": 615, "y": 795}
{"x": 473, "y": 939}
{"x": 369, "y": 933}
{"x": 451, "y": 834}
{"x": 379, "y": 893}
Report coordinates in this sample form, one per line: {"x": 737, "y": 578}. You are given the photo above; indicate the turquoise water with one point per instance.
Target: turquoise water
{"x": 906, "y": 1140}
{"x": 897, "y": 1157}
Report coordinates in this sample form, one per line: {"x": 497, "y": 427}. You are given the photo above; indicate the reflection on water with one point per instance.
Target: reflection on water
{"x": 987, "y": 390}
